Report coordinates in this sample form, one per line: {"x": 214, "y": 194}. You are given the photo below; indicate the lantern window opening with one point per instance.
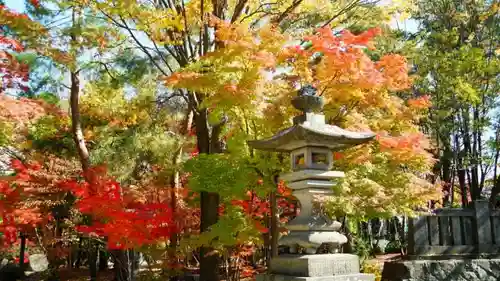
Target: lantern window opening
{"x": 320, "y": 158}
{"x": 299, "y": 161}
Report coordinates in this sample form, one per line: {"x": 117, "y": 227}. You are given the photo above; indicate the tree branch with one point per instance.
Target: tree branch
{"x": 238, "y": 9}
{"x": 285, "y": 14}
{"x": 215, "y": 142}
{"x": 139, "y": 44}
{"x": 343, "y": 10}
{"x": 187, "y": 34}
{"x": 259, "y": 10}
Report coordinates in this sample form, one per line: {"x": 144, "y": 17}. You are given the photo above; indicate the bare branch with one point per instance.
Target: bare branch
{"x": 238, "y": 9}
{"x": 187, "y": 34}
{"x": 151, "y": 58}
{"x": 260, "y": 10}
{"x": 342, "y": 11}
{"x": 288, "y": 10}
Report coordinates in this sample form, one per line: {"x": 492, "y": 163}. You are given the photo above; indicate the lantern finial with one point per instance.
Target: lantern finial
{"x": 307, "y": 100}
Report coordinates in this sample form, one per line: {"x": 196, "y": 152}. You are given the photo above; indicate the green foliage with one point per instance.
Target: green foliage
{"x": 48, "y": 127}
{"x": 6, "y": 130}
{"x": 133, "y": 147}
{"x": 363, "y": 197}
{"x": 124, "y": 125}
{"x": 49, "y": 98}
{"x": 394, "y": 246}
{"x": 45, "y": 77}
{"x": 51, "y": 133}
{"x": 362, "y": 248}
{"x": 130, "y": 68}
{"x": 457, "y": 64}
{"x": 227, "y": 175}
{"x": 233, "y": 228}
{"x": 28, "y": 59}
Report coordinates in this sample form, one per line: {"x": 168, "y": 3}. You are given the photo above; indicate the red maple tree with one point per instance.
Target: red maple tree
{"x": 16, "y": 216}
{"x": 125, "y": 222}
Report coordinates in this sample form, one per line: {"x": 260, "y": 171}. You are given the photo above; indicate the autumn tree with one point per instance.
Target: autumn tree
{"x": 188, "y": 36}
{"x": 33, "y": 184}
{"x": 361, "y": 95}
{"x": 190, "y": 23}
{"x": 457, "y": 65}
{"x": 76, "y": 30}
{"x": 220, "y": 62}
{"x": 49, "y": 41}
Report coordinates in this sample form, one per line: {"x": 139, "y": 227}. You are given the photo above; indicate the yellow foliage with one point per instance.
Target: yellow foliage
{"x": 372, "y": 267}
{"x": 162, "y": 25}
{"x": 234, "y": 75}
{"x": 104, "y": 103}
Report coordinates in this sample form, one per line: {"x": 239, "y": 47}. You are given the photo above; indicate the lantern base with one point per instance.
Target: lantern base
{"x": 349, "y": 277}
{"x": 325, "y": 267}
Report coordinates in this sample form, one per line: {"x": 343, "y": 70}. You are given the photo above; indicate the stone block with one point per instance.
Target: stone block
{"x": 312, "y": 240}
{"x": 39, "y": 262}
{"x": 315, "y": 265}
{"x": 347, "y": 277}
{"x": 382, "y": 244}
{"x": 442, "y": 270}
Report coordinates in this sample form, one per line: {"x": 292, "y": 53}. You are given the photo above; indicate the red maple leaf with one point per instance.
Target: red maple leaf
{"x": 35, "y": 3}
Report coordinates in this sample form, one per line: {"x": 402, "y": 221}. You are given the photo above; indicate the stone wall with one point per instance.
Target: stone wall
{"x": 442, "y": 270}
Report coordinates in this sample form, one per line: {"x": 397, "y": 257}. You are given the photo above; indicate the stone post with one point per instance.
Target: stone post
{"x": 417, "y": 235}
{"x": 483, "y": 225}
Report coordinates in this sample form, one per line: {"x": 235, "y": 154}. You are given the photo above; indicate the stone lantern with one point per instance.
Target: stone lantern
{"x": 311, "y": 142}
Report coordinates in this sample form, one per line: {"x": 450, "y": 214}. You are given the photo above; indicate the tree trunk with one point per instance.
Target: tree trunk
{"x": 494, "y": 192}
{"x": 446, "y": 166}
{"x": 83, "y": 152}
{"x": 496, "y": 181}
{"x": 402, "y": 235}
{"x": 79, "y": 253}
{"x": 76, "y": 125}
{"x": 267, "y": 241}
{"x": 22, "y": 251}
{"x": 463, "y": 187}
{"x": 348, "y": 246}
{"x": 477, "y": 151}
{"x": 209, "y": 261}
{"x": 103, "y": 260}
{"x": 473, "y": 181}
{"x": 126, "y": 264}
{"x": 77, "y": 132}
{"x": 93, "y": 253}
{"x": 175, "y": 185}
{"x": 274, "y": 221}
{"x": 274, "y": 226}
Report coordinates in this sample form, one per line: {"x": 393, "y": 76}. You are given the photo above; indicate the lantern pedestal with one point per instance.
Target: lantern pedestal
{"x": 350, "y": 277}
{"x": 328, "y": 267}
{"x": 311, "y": 228}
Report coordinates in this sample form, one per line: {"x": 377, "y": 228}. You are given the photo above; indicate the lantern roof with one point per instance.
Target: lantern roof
{"x": 310, "y": 129}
